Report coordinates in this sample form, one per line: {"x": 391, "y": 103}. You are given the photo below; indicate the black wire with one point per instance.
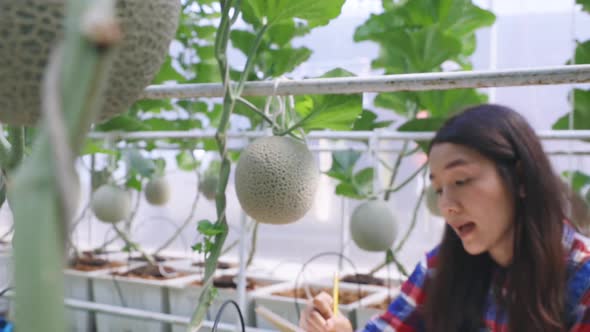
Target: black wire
{"x": 2, "y": 292}
{"x": 218, "y": 316}
{"x": 324, "y": 254}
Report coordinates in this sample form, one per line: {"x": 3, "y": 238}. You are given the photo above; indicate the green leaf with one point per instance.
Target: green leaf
{"x": 136, "y": 162}
{"x": 205, "y": 31}
{"x": 92, "y": 147}
{"x": 404, "y": 103}
{"x": 415, "y": 51}
{"x": 366, "y": 121}
{"x": 122, "y": 122}
{"x": 582, "y": 53}
{"x": 186, "y": 162}
{"x": 363, "y": 181}
{"x": 206, "y": 72}
{"x": 343, "y": 164}
{"x": 208, "y": 228}
{"x": 167, "y": 73}
{"x": 198, "y": 247}
{"x": 581, "y": 118}
{"x": 284, "y": 60}
{"x": 346, "y": 189}
{"x": 316, "y": 13}
{"x": 337, "y": 112}
{"x": 428, "y": 124}
{"x": 282, "y": 33}
{"x": 133, "y": 182}
{"x": 153, "y": 105}
{"x": 579, "y": 179}
{"x": 442, "y": 103}
{"x": 243, "y": 40}
{"x": 585, "y": 5}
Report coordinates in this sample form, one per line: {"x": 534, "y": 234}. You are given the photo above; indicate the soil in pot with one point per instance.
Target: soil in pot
{"x": 88, "y": 262}
{"x": 230, "y": 282}
{"x": 220, "y": 265}
{"x": 346, "y": 296}
{"x": 157, "y": 258}
{"x": 152, "y": 272}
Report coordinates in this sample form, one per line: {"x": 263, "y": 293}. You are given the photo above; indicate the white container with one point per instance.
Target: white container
{"x": 369, "y": 308}
{"x": 137, "y": 293}
{"x": 286, "y": 306}
{"x": 184, "y": 299}
{"x": 78, "y": 286}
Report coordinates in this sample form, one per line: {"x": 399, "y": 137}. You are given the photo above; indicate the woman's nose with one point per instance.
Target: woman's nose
{"x": 448, "y": 204}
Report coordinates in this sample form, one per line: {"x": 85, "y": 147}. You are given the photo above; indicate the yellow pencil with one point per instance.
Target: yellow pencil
{"x": 335, "y": 292}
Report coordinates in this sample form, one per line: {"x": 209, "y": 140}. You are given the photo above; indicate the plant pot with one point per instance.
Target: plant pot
{"x": 184, "y": 298}
{"x": 78, "y": 285}
{"x": 123, "y": 288}
{"x": 289, "y": 301}
{"x": 376, "y": 304}
{"x": 31, "y": 29}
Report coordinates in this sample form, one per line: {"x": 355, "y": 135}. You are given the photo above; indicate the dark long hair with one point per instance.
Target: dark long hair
{"x": 456, "y": 295}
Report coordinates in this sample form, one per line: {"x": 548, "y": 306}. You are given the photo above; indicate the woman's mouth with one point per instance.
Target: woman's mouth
{"x": 465, "y": 229}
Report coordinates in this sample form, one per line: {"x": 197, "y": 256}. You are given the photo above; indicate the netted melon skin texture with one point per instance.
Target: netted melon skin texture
{"x": 276, "y": 180}
{"x": 30, "y": 28}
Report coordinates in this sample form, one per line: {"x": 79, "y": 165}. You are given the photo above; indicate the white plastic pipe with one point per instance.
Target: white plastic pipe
{"x": 384, "y": 83}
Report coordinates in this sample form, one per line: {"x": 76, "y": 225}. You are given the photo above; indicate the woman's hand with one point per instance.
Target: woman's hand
{"x": 318, "y": 316}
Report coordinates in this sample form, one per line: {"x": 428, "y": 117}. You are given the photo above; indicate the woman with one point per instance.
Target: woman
{"x": 509, "y": 259}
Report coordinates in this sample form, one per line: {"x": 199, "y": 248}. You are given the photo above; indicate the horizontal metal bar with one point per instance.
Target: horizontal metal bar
{"x": 140, "y": 314}
{"x": 385, "y": 83}
{"x": 343, "y": 135}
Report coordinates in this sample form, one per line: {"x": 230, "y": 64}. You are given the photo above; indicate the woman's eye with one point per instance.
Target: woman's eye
{"x": 461, "y": 182}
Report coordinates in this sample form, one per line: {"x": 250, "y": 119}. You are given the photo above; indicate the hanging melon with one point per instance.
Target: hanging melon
{"x": 373, "y": 226}
{"x": 110, "y": 204}
{"x": 157, "y": 191}
{"x": 29, "y": 29}
{"x": 276, "y": 180}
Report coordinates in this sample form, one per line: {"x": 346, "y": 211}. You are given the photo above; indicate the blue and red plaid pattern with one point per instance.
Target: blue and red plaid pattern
{"x": 402, "y": 316}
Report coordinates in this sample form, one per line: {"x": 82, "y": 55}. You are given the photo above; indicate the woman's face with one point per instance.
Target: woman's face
{"x": 474, "y": 200}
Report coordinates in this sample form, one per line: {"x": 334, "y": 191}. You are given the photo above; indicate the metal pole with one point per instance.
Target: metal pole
{"x": 140, "y": 314}
{"x": 344, "y": 135}
{"x": 384, "y": 83}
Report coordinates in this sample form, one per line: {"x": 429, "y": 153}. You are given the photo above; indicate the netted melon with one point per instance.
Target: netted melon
{"x": 30, "y": 28}
{"x": 373, "y": 226}
{"x": 110, "y": 204}
{"x": 276, "y": 180}
{"x": 157, "y": 191}
{"x": 432, "y": 201}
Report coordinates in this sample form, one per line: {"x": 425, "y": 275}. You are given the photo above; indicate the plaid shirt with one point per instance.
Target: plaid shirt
{"x": 402, "y": 316}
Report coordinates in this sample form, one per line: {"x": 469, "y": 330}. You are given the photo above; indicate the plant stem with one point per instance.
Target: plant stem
{"x": 413, "y": 223}
{"x": 253, "y": 244}
{"x": 40, "y": 232}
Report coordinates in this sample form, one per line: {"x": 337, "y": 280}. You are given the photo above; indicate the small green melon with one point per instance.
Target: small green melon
{"x": 110, "y": 204}
{"x": 373, "y": 226}
{"x": 157, "y": 191}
